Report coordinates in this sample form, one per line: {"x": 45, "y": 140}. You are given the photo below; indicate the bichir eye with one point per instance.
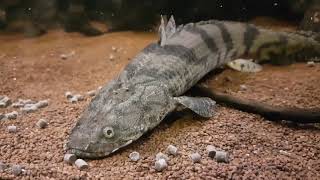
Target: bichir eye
{"x": 108, "y": 132}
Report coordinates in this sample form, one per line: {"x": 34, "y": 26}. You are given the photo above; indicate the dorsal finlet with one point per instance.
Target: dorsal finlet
{"x": 166, "y": 29}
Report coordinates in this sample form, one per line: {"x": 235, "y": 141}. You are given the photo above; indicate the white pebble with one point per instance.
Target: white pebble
{"x": 134, "y": 156}
{"x": 160, "y": 155}
{"x": 111, "y": 57}
{"x": 222, "y": 156}
{"x": 160, "y": 165}
{"x": 195, "y": 157}
{"x": 114, "y": 48}
{"x": 69, "y": 158}
{"x": 12, "y": 129}
{"x": 172, "y": 150}
{"x": 91, "y": 93}
{"x": 16, "y": 170}
{"x": 211, "y": 151}
{"x": 63, "y": 56}
{"x": 311, "y": 64}
{"x": 243, "y": 87}
{"x": 79, "y": 97}
{"x": 42, "y": 104}
{"x": 76, "y": 98}
{"x": 29, "y": 108}
{"x": 42, "y": 124}
{"x": 12, "y": 115}
{"x": 22, "y": 103}
{"x": 5, "y": 101}
{"x": 68, "y": 94}
{"x": 81, "y": 164}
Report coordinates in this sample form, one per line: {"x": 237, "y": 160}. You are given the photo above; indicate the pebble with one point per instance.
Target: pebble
{"x": 42, "y": 104}
{"x": 22, "y": 103}
{"x": 2, "y": 116}
{"x": 66, "y": 56}
{"x": 63, "y": 56}
{"x": 16, "y": 170}
{"x": 243, "y": 87}
{"x": 5, "y": 101}
{"x": 111, "y": 57}
{"x": 222, "y": 156}
{"x": 160, "y": 165}
{"x": 172, "y": 150}
{"x": 81, "y": 164}
{"x": 42, "y": 124}
{"x": 134, "y": 156}
{"x": 311, "y": 64}
{"x": 211, "y": 151}
{"x": 160, "y": 155}
{"x": 69, "y": 158}
{"x": 91, "y": 93}
{"x": 76, "y": 98}
{"x": 12, "y": 115}
{"x": 29, "y": 108}
{"x": 114, "y": 48}
{"x": 12, "y": 129}
{"x": 68, "y": 94}
{"x": 195, "y": 157}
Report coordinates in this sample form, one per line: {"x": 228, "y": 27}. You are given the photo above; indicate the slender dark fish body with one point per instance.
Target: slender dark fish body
{"x": 153, "y": 83}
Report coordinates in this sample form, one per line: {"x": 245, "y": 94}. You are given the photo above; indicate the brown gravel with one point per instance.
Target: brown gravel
{"x": 33, "y": 69}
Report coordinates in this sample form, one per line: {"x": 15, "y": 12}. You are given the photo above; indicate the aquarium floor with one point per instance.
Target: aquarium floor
{"x": 33, "y": 69}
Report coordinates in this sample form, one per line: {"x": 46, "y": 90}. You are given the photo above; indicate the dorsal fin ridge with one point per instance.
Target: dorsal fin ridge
{"x": 162, "y": 31}
{"x": 166, "y": 29}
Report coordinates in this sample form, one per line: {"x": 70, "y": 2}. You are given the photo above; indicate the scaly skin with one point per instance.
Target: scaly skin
{"x": 146, "y": 90}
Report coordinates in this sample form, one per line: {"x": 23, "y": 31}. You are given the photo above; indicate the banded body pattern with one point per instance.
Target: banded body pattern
{"x": 197, "y": 48}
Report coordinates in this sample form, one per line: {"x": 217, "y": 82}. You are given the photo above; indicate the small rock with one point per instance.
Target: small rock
{"x": 12, "y": 115}
{"x": 42, "y": 104}
{"x": 114, "y": 48}
{"x": 81, "y": 164}
{"x": 243, "y": 87}
{"x": 73, "y": 100}
{"x": 68, "y": 95}
{"x": 12, "y": 129}
{"x": 134, "y": 156}
{"x": 172, "y": 150}
{"x": 76, "y": 98}
{"x": 42, "y": 124}
{"x": 222, "y": 156}
{"x": 5, "y": 102}
{"x": 160, "y": 165}
{"x": 99, "y": 88}
{"x": 22, "y": 103}
{"x": 29, "y": 108}
{"x": 2, "y": 116}
{"x": 63, "y": 56}
{"x": 16, "y": 170}
{"x": 160, "y": 155}
{"x": 195, "y": 157}
{"x": 69, "y": 158}
{"x": 211, "y": 151}
{"x": 66, "y": 56}
{"x": 111, "y": 57}
{"x": 311, "y": 64}
{"x": 91, "y": 93}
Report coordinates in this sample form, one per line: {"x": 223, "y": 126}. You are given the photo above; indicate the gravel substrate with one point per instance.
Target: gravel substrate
{"x": 256, "y": 148}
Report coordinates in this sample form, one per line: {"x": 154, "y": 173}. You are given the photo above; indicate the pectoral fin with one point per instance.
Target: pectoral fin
{"x": 202, "y": 106}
